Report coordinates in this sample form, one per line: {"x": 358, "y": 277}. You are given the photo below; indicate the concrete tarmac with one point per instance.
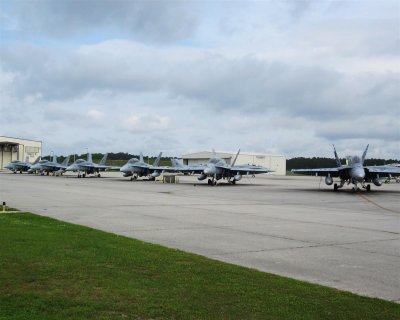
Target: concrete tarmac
{"x": 292, "y": 226}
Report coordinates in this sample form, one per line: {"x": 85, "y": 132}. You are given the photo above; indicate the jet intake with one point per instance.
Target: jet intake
{"x": 155, "y": 174}
{"x": 328, "y": 180}
{"x": 377, "y": 182}
{"x": 201, "y": 177}
{"x": 237, "y": 177}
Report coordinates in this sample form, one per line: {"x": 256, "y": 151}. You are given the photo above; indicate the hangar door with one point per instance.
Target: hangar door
{"x": 5, "y": 156}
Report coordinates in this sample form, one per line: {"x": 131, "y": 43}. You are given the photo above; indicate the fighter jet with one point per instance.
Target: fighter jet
{"x": 354, "y": 172}
{"x": 20, "y": 166}
{"x": 216, "y": 169}
{"x": 135, "y": 168}
{"x": 46, "y": 166}
{"x": 85, "y": 167}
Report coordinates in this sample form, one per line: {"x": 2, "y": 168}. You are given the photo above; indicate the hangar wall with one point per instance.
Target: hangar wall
{"x": 273, "y": 162}
{"x": 18, "y": 149}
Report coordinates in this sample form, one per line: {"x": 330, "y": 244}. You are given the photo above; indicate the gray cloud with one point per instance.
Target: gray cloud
{"x": 212, "y": 81}
{"x": 149, "y": 21}
{"x": 255, "y": 85}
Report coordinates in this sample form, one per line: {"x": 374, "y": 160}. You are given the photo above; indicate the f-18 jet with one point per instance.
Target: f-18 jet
{"x": 20, "y": 166}
{"x": 46, "y": 166}
{"x": 216, "y": 169}
{"x": 85, "y": 167}
{"x": 354, "y": 172}
{"x": 135, "y": 168}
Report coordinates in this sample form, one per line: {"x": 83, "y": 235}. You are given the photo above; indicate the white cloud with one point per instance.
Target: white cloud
{"x": 282, "y": 77}
{"x": 95, "y": 115}
{"x": 146, "y": 123}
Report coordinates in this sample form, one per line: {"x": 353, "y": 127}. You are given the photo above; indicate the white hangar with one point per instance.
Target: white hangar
{"x": 273, "y": 162}
{"x": 18, "y": 149}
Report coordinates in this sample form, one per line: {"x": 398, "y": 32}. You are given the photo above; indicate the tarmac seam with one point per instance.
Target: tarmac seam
{"x": 318, "y": 245}
{"x": 377, "y": 205}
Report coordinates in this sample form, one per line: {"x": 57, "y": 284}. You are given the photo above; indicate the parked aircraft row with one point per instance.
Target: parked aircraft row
{"x": 354, "y": 172}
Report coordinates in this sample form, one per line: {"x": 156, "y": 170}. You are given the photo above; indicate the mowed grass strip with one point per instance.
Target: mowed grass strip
{"x": 50, "y": 269}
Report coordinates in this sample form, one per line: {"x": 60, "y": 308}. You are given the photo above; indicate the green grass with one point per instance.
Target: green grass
{"x": 50, "y": 269}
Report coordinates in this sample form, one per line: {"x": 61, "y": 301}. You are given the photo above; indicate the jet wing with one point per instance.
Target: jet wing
{"x": 333, "y": 172}
{"x": 86, "y": 166}
{"x": 246, "y": 169}
{"x": 383, "y": 170}
{"x": 104, "y": 168}
{"x": 186, "y": 169}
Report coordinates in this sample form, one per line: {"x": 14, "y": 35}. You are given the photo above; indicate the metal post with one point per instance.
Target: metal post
{"x": 4, "y": 207}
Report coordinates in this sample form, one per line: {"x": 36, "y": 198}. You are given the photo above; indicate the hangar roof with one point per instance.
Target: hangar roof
{"x": 16, "y": 141}
{"x": 227, "y": 154}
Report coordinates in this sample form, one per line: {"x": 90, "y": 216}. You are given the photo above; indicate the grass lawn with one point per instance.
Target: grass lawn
{"x": 50, "y": 269}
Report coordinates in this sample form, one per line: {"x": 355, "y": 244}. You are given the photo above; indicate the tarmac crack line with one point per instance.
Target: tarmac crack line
{"x": 375, "y": 204}
{"x": 318, "y": 245}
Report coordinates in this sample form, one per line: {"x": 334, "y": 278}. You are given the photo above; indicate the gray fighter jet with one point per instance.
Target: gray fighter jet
{"x": 354, "y": 172}
{"x": 135, "y": 168}
{"x": 85, "y": 167}
{"x": 20, "y": 166}
{"x": 216, "y": 169}
{"x": 46, "y": 166}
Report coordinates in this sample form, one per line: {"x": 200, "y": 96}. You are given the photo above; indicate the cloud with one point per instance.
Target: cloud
{"x": 281, "y": 77}
{"x": 146, "y": 123}
{"x": 95, "y": 115}
{"x": 148, "y": 21}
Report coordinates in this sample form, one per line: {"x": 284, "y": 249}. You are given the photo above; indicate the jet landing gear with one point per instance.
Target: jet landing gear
{"x": 367, "y": 187}
{"x": 133, "y": 178}
{"x": 212, "y": 182}
{"x": 336, "y": 186}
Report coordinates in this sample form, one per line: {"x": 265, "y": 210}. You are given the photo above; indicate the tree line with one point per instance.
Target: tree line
{"x": 293, "y": 163}
{"x": 316, "y": 162}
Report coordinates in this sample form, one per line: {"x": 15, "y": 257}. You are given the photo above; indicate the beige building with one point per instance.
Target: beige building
{"x": 273, "y": 162}
{"x": 18, "y": 149}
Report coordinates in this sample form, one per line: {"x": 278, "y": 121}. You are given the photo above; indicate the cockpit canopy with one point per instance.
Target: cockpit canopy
{"x": 352, "y": 160}
{"x": 217, "y": 161}
{"x": 80, "y": 161}
{"x": 133, "y": 160}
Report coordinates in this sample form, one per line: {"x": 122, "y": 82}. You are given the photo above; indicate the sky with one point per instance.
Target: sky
{"x": 287, "y": 77}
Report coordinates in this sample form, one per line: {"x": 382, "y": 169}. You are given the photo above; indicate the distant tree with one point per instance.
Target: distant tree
{"x": 308, "y": 163}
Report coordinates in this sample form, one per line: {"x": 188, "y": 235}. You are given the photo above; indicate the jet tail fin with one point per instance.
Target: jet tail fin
{"x": 364, "y": 155}
{"x": 157, "y": 161}
{"x": 141, "y": 157}
{"x": 27, "y": 159}
{"x": 234, "y": 160}
{"x": 65, "y": 162}
{"x": 54, "y": 159}
{"x": 175, "y": 163}
{"x": 214, "y": 153}
{"x": 89, "y": 158}
{"x": 103, "y": 160}
{"x": 37, "y": 160}
{"x": 336, "y": 157}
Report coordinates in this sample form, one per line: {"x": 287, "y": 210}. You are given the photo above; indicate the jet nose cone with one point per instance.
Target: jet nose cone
{"x": 358, "y": 174}
{"x": 124, "y": 168}
{"x": 70, "y": 168}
